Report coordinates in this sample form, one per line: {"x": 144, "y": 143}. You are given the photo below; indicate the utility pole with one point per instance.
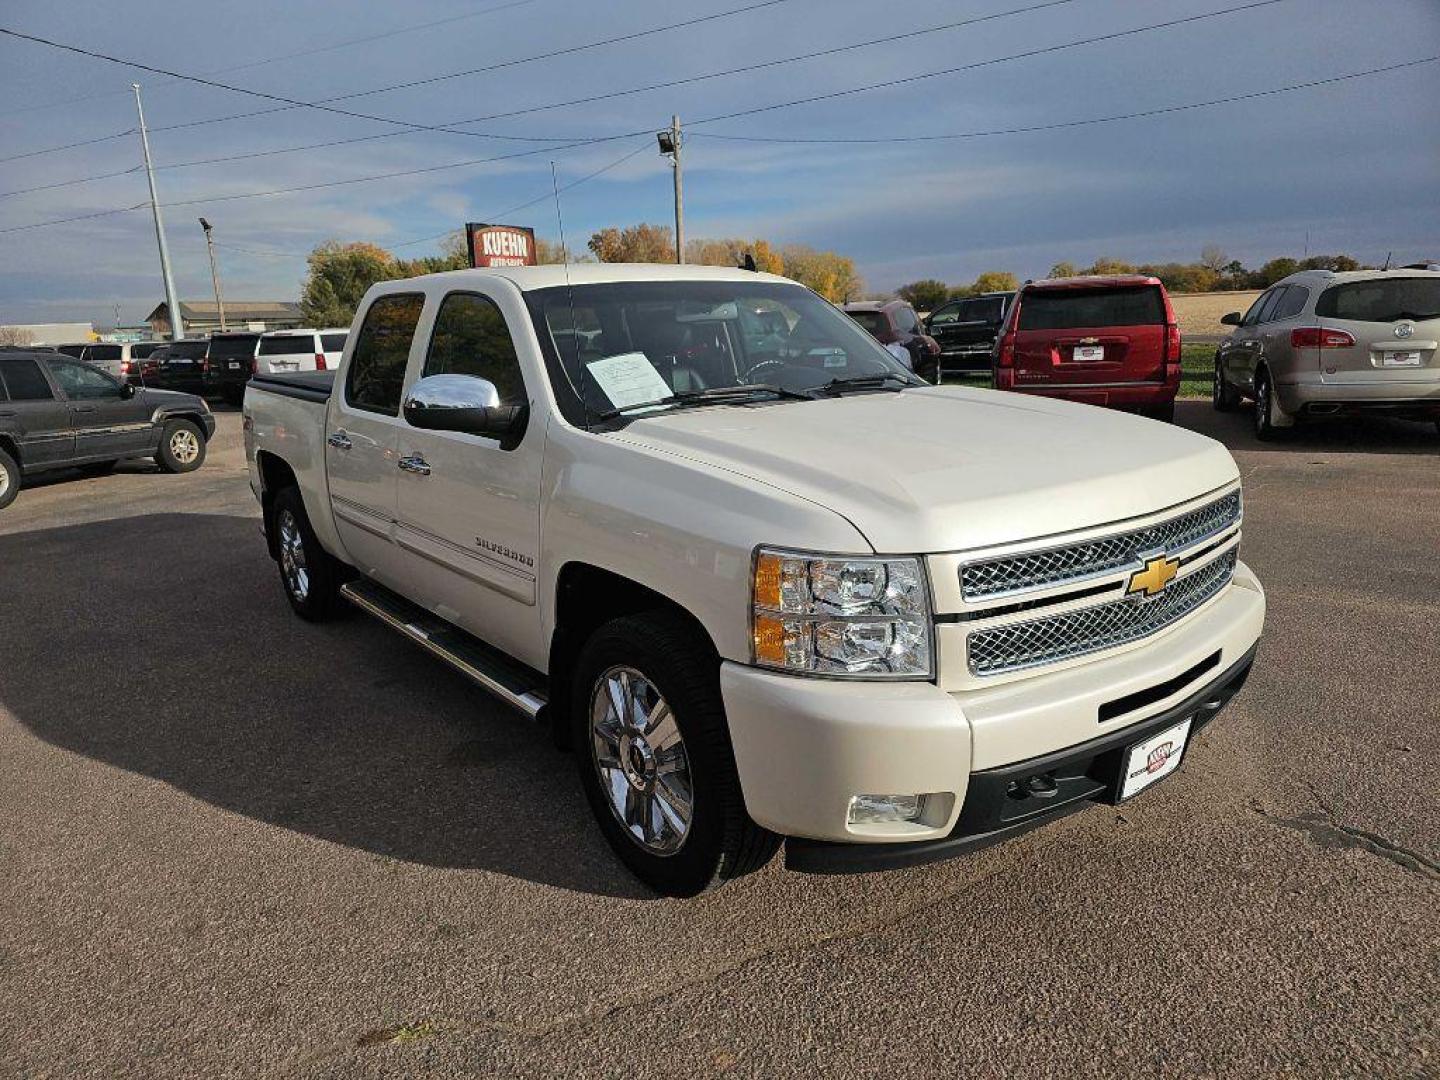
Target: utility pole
{"x": 214, "y": 274}
{"x": 177, "y": 323}
{"x": 670, "y": 146}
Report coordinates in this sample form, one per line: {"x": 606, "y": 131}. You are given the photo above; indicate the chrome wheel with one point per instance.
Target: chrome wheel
{"x": 1262, "y": 405}
{"x": 184, "y": 446}
{"x": 640, "y": 756}
{"x": 292, "y": 557}
{"x": 5, "y": 480}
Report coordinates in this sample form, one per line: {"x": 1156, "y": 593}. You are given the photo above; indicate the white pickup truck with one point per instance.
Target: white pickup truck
{"x": 766, "y": 583}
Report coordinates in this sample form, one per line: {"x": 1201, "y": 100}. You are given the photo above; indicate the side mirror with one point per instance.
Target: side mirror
{"x": 127, "y": 391}
{"x": 467, "y": 404}
{"x": 1232, "y": 319}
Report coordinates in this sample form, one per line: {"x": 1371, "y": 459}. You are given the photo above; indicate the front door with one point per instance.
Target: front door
{"x": 469, "y": 509}
{"x": 362, "y": 427}
{"x": 32, "y": 411}
{"x": 106, "y": 423}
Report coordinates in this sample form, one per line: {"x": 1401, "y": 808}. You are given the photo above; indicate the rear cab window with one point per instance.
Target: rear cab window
{"x": 1382, "y": 300}
{"x": 1073, "y": 309}
{"x": 382, "y": 350}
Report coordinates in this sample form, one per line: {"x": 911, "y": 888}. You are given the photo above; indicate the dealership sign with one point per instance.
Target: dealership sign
{"x": 500, "y": 245}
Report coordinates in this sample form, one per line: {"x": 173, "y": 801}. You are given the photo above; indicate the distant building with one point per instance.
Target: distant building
{"x": 203, "y": 317}
{"x": 64, "y": 333}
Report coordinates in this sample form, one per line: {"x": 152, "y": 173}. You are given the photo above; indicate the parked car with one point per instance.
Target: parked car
{"x": 1100, "y": 340}
{"x": 284, "y": 351}
{"x": 1322, "y": 342}
{"x": 693, "y": 552}
{"x": 56, "y": 412}
{"x": 965, "y": 330}
{"x": 112, "y": 357}
{"x": 177, "y": 365}
{"x": 231, "y": 362}
{"x": 894, "y": 322}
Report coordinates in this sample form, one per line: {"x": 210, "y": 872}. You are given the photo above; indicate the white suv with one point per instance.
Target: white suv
{"x": 283, "y": 351}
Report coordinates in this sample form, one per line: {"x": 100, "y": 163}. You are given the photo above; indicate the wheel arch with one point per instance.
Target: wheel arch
{"x": 276, "y": 475}
{"x": 11, "y": 446}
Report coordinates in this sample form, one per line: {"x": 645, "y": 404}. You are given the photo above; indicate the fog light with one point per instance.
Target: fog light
{"x": 883, "y": 809}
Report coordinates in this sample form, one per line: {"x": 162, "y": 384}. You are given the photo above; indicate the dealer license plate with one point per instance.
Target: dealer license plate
{"x": 233, "y": 365}
{"x": 1400, "y": 359}
{"x": 1088, "y": 354}
{"x": 1154, "y": 759}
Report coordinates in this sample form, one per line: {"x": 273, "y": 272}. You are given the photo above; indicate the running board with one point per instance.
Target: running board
{"x": 508, "y": 679}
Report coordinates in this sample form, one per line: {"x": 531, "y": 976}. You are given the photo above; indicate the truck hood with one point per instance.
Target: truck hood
{"x": 949, "y": 468}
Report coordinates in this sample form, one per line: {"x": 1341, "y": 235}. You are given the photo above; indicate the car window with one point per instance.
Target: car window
{"x": 234, "y": 347}
{"x": 905, "y": 319}
{"x": 141, "y": 350}
{"x": 989, "y": 309}
{"x": 471, "y": 338}
{"x": 377, "y": 365}
{"x": 71, "y": 350}
{"x": 102, "y": 353}
{"x": 1382, "y": 300}
{"x": 333, "y": 342}
{"x": 1267, "y": 313}
{"x": 1252, "y": 313}
{"x": 1291, "y": 304}
{"x": 949, "y": 313}
{"x": 187, "y": 350}
{"x": 1070, "y": 309}
{"x": 288, "y": 345}
{"x": 873, "y": 321}
{"x": 24, "y": 380}
{"x": 83, "y": 383}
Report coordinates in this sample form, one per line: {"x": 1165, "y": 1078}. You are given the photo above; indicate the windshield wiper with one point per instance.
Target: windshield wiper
{"x": 689, "y": 399}
{"x": 878, "y": 381}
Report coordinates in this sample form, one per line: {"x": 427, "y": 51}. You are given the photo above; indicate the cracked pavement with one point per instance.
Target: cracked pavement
{"x": 235, "y": 844}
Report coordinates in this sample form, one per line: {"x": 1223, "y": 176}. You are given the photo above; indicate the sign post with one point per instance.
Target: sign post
{"x": 500, "y": 245}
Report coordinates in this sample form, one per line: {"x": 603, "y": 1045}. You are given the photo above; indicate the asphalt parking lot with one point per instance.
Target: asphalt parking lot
{"x": 232, "y": 843}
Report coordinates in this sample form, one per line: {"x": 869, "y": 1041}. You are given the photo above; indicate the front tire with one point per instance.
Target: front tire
{"x": 655, "y": 760}
{"x": 310, "y": 575}
{"x": 9, "y": 479}
{"x": 182, "y": 447}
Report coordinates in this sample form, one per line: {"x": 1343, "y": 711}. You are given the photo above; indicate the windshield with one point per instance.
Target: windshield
{"x": 628, "y": 344}
{"x": 1075, "y": 308}
{"x": 1382, "y": 300}
{"x": 286, "y": 345}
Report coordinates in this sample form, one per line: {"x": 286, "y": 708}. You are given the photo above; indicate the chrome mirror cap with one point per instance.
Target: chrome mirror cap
{"x": 452, "y": 392}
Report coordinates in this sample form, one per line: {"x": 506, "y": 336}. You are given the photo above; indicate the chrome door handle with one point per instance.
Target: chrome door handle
{"x": 416, "y": 464}
{"x": 339, "y": 440}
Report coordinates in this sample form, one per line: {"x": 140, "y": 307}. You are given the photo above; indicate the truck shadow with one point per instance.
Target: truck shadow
{"x": 162, "y": 645}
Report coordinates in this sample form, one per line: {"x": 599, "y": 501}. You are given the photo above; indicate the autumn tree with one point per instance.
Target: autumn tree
{"x": 1064, "y": 269}
{"x": 337, "y": 277}
{"x": 14, "y": 335}
{"x": 1213, "y": 258}
{"x": 641, "y": 243}
{"x": 924, "y": 295}
{"x": 1106, "y": 265}
{"x": 830, "y": 274}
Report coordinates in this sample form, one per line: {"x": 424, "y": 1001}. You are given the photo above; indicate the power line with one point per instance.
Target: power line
{"x": 70, "y": 183}
{"x": 68, "y": 146}
{"x": 77, "y": 217}
{"x": 794, "y": 140}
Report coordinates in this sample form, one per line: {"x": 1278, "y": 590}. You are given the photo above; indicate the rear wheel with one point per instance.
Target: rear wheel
{"x": 310, "y": 575}
{"x": 9, "y": 479}
{"x": 1266, "y": 409}
{"x": 182, "y": 447}
{"x": 655, "y": 759}
{"x": 1223, "y": 396}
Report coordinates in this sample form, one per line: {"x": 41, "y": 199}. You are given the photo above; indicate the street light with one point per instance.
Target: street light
{"x": 669, "y": 140}
{"x": 214, "y": 273}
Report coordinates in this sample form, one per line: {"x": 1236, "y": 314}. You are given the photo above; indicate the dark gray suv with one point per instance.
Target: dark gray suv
{"x": 56, "y": 412}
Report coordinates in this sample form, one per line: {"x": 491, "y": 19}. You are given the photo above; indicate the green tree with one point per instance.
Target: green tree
{"x": 641, "y": 243}
{"x": 1064, "y": 269}
{"x": 337, "y": 277}
{"x": 1273, "y": 271}
{"x": 996, "y": 281}
{"x": 924, "y": 295}
{"x": 1107, "y": 265}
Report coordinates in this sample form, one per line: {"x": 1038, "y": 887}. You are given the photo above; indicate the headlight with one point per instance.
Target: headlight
{"x": 856, "y": 618}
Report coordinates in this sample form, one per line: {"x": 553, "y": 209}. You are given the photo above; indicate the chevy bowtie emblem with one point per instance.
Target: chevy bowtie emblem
{"x": 1152, "y": 579}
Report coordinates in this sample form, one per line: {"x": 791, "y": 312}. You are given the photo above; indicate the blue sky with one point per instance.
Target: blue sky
{"x": 1355, "y": 165}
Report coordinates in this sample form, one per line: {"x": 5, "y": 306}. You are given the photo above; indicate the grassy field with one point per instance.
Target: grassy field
{"x": 1196, "y": 362}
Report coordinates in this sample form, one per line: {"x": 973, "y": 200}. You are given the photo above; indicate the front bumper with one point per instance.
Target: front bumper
{"x": 804, "y": 746}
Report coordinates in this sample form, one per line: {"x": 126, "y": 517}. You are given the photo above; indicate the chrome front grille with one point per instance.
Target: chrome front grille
{"x": 1054, "y": 638}
{"x": 1075, "y": 562}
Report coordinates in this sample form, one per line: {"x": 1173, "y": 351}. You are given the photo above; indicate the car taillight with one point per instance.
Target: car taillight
{"x": 1172, "y": 343}
{"x": 1319, "y": 337}
{"x": 319, "y": 361}
{"x": 125, "y": 368}
{"x": 254, "y": 365}
{"x": 1006, "y": 356}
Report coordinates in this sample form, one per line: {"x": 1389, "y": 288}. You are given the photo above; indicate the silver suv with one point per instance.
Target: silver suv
{"x": 1322, "y": 342}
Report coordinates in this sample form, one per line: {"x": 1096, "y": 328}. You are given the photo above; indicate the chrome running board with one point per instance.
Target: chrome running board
{"x": 511, "y": 681}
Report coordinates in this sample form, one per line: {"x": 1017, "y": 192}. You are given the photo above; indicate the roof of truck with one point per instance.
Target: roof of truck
{"x": 546, "y": 277}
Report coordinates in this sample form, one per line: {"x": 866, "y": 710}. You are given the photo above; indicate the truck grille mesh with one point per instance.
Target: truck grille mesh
{"x": 1043, "y": 569}
{"x": 1075, "y": 633}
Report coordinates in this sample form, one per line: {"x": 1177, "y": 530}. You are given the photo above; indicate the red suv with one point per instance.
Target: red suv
{"x": 1102, "y": 340}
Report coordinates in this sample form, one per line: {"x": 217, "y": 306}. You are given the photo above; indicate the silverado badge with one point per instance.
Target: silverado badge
{"x": 1153, "y": 577}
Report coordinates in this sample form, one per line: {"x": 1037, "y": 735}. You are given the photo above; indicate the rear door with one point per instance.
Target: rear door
{"x": 35, "y": 413}
{"x": 362, "y": 430}
{"x": 1395, "y": 324}
{"x": 1095, "y": 336}
{"x": 105, "y": 422}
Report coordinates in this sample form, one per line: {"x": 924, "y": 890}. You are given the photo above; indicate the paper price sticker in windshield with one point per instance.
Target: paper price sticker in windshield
{"x": 629, "y": 379}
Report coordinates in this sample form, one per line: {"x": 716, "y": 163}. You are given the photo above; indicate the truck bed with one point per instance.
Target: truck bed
{"x": 305, "y": 385}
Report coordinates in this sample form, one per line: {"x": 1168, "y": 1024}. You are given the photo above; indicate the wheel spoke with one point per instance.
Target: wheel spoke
{"x": 660, "y": 728}
{"x": 673, "y": 795}
{"x": 616, "y": 689}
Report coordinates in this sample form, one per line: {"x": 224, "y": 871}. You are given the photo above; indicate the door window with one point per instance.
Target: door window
{"x": 1267, "y": 313}
{"x": 1252, "y": 315}
{"x": 1291, "y": 304}
{"x": 948, "y": 314}
{"x": 377, "y": 366}
{"x": 24, "y": 380}
{"x": 82, "y": 383}
{"x": 471, "y": 338}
